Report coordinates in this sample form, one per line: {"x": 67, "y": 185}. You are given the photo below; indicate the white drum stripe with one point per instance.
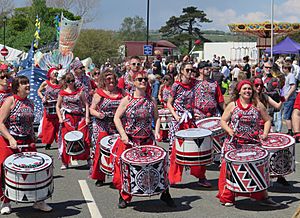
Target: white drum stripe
{"x": 94, "y": 211}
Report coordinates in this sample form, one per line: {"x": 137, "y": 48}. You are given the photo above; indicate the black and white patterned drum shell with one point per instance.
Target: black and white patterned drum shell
{"x": 165, "y": 118}
{"x": 74, "y": 143}
{"x": 144, "y": 170}
{"x": 194, "y": 147}
{"x": 28, "y": 177}
{"x": 282, "y": 153}
{"x": 247, "y": 170}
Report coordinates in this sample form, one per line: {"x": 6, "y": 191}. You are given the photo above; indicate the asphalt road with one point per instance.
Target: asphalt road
{"x": 75, "y": 195}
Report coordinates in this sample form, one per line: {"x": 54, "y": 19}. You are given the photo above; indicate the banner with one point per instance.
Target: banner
{"x": 69, "y": 33}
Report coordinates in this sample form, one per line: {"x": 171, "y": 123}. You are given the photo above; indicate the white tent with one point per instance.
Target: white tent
{"x": 13, "y": 54}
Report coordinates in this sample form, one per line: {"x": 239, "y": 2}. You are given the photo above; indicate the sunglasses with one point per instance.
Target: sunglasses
{"x": 188, "y": 70}
{"x": 136, "y": 64}
{"x": 257, "y": 85}
{"x": 268, "y": 67}
{"x": 97, "y": 74}
{"x": 5, "y": 76}
{"x": 70, "y": 81}
{"x": 141, "y": 79}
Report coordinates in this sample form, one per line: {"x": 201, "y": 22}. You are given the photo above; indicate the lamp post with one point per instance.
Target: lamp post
{"x": 4, "y": 50}
{"x": 147, "y": 37}
{"x": 272, "y": 28}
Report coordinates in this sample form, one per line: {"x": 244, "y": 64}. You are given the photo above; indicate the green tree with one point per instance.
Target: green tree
{"x": 186, "y": 27}
{"x": 97, "y": 44}
{"x": 133, "y": 29}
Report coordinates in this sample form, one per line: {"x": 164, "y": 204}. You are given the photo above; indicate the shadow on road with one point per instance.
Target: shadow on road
{"x": 60, "y": 209}
{"x": 157, "y": 206}
{"x": 196, "y": 186}
{"x": 285, "y": 189}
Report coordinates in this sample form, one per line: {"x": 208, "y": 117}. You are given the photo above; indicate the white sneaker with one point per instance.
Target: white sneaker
{"x": 64, "y": 167}
{"x": 42, "y": 205}
{"x": 6, "y": 209}
{"x": 228, "y": 204}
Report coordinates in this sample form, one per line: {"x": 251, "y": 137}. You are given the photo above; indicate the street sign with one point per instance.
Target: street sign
{"x": 148, "y": 49}
{"x": 4, "y": 51}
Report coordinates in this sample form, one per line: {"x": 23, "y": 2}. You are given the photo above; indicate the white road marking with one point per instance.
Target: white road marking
{"x": 94, "y": 211}
{"x": 296, "y": 162}
{"x": 74, "y": 162}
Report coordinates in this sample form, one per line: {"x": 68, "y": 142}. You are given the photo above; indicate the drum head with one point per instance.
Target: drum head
{"x": 73, "y": 136}
{"x": 109, "y": 141}
{"x": 246, "y": 155}
{"x": 143, "y": 154}
{"x": 278, "y": 141}
{"x": 164, "y": 111}
{"x": 193, "y": 133}
{"x": 28, "y": 161}
{"x": 213, "y": 123}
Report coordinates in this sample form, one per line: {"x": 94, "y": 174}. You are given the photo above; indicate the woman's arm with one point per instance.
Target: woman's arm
{"x": 160, "y": 93}
{"x": 171, "y": 109}
{"x": 156, "y": 121}
{"x": 117, "y": 119}
{"x": 41, "y": 89}
{"x": 58, "y": 107}
{"x": 274, "y": 103}
{"x": 5, "y": 111}
{"x": 226, "y": 117}
{"x": 265, "y": 116}
{"x": 86, "y": 105}
{"x": 95, "y": 102}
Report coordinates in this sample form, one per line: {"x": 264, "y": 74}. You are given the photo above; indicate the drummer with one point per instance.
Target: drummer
{"x": 50, "y": 125}
{"x": 181, "y": 105}
{"x": 104, "y": 105}
{"x": 138, "y": 110}
{"x": 16, "y": 127}
{"x": 69, "y": 108}
{"x": 209, "y": 101}
{"x": 243, "y": 114}
{"x": 4, "y": 84}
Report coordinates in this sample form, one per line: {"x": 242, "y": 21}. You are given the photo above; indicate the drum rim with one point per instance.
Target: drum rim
{"x": 105, "y": 137}
{"x": 5, "y": 165}
{"x": 292, "y": 143}
{"x": 132, "y": 163}
{"x": 209, "y": 118}
{"x": 238, "y": 161}
{"x": 208, "y": 133}
{"x": 73, "y": 131}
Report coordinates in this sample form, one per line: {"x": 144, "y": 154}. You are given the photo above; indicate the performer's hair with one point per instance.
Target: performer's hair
{"x": 103, "y": 75}
{"x": 135, "y": 57}
{"x": 236, "y": 95}
{"x": 261, "y": 96}
{"x": 68, "y": 76}
{"x": 182, "y": 67}
{"x": 16, "y": 83}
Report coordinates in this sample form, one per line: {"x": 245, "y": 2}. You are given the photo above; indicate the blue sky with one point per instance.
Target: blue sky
{"x": 109, "y": 14}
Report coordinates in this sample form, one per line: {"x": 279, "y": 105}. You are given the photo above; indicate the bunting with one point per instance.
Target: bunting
{"x": 37, "y": 31}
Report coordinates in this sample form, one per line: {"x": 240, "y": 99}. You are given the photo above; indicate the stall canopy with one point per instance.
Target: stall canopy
{"x": 287, "y": 46}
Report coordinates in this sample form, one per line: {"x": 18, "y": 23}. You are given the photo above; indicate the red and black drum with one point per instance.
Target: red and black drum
{"x": 247, "y": 170}
{"x": 282, "y": 153}
{"x": 193, "y": 147}
{"x": 165, "y": 118}
{"x": 144, "y": 170}
{"x": 218, "y": 134}
{"x": 28, "y": 177}
{"x": 106, "y": 146}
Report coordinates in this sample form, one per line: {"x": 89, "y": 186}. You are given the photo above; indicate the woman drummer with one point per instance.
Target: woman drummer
{"x": 104, "y": 105}
{"x": 16, "y": 127}
{"x": 180, "y": 104}
{"x": 48, "y": 92}
{"x": 4, "y": 86}
{"x": 73, "y": 113}
{"x": 138, "y": 111}
{"x": 243, "y": 114}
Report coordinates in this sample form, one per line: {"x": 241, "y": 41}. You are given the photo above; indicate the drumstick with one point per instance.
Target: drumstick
{"x": 24, "y": 146}
{"x": 235, "y": 126}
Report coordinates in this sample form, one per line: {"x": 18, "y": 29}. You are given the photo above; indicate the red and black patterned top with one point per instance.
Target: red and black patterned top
{"x": 71, "y": 102}
{"x": 125, "y": 84}
{"x": 3, "y": 95}
{"x": 207, "y": 97}
{"x": 51, "y": 91}
{"x": 108, "y": 106}
{"x": 183, "y": 95}
{"x": 247, "y": 130}
{"x": 138, "y": 117}
{"x": 165, "y": 94}
{"x": 21, "y": 118}
{"x": 84, "y": 82}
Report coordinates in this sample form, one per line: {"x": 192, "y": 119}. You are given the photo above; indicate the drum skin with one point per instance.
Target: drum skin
{"x": 28, "y": 177}
{"x": 193, "y": 147}
{"x": 74, "y": 143}
{"x": 144, "y": 170}
{"x": 247, "y": 170}
{"x": 165, "y": 118}
{"x": 106, "y": 145}
{"x": 282, "y": 153}
{"x": 218, "y": 134}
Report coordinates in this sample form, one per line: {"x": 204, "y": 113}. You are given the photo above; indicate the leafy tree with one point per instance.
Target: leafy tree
{"x": 186, "y": 27}
{"x": 133, "y": 29}
{"x": 97, "y": 44}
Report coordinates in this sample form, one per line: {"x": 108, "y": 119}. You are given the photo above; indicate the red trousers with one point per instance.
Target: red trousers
{"x": 227, "y": 196}
{"x": 77, "y": 123}
{"x": 96, "y": 173}
{"x": 117, "y": 179}
{"x": 50, "y": 128}
{"x": 164, "y": 134}
{"x": 5, "y": 152}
